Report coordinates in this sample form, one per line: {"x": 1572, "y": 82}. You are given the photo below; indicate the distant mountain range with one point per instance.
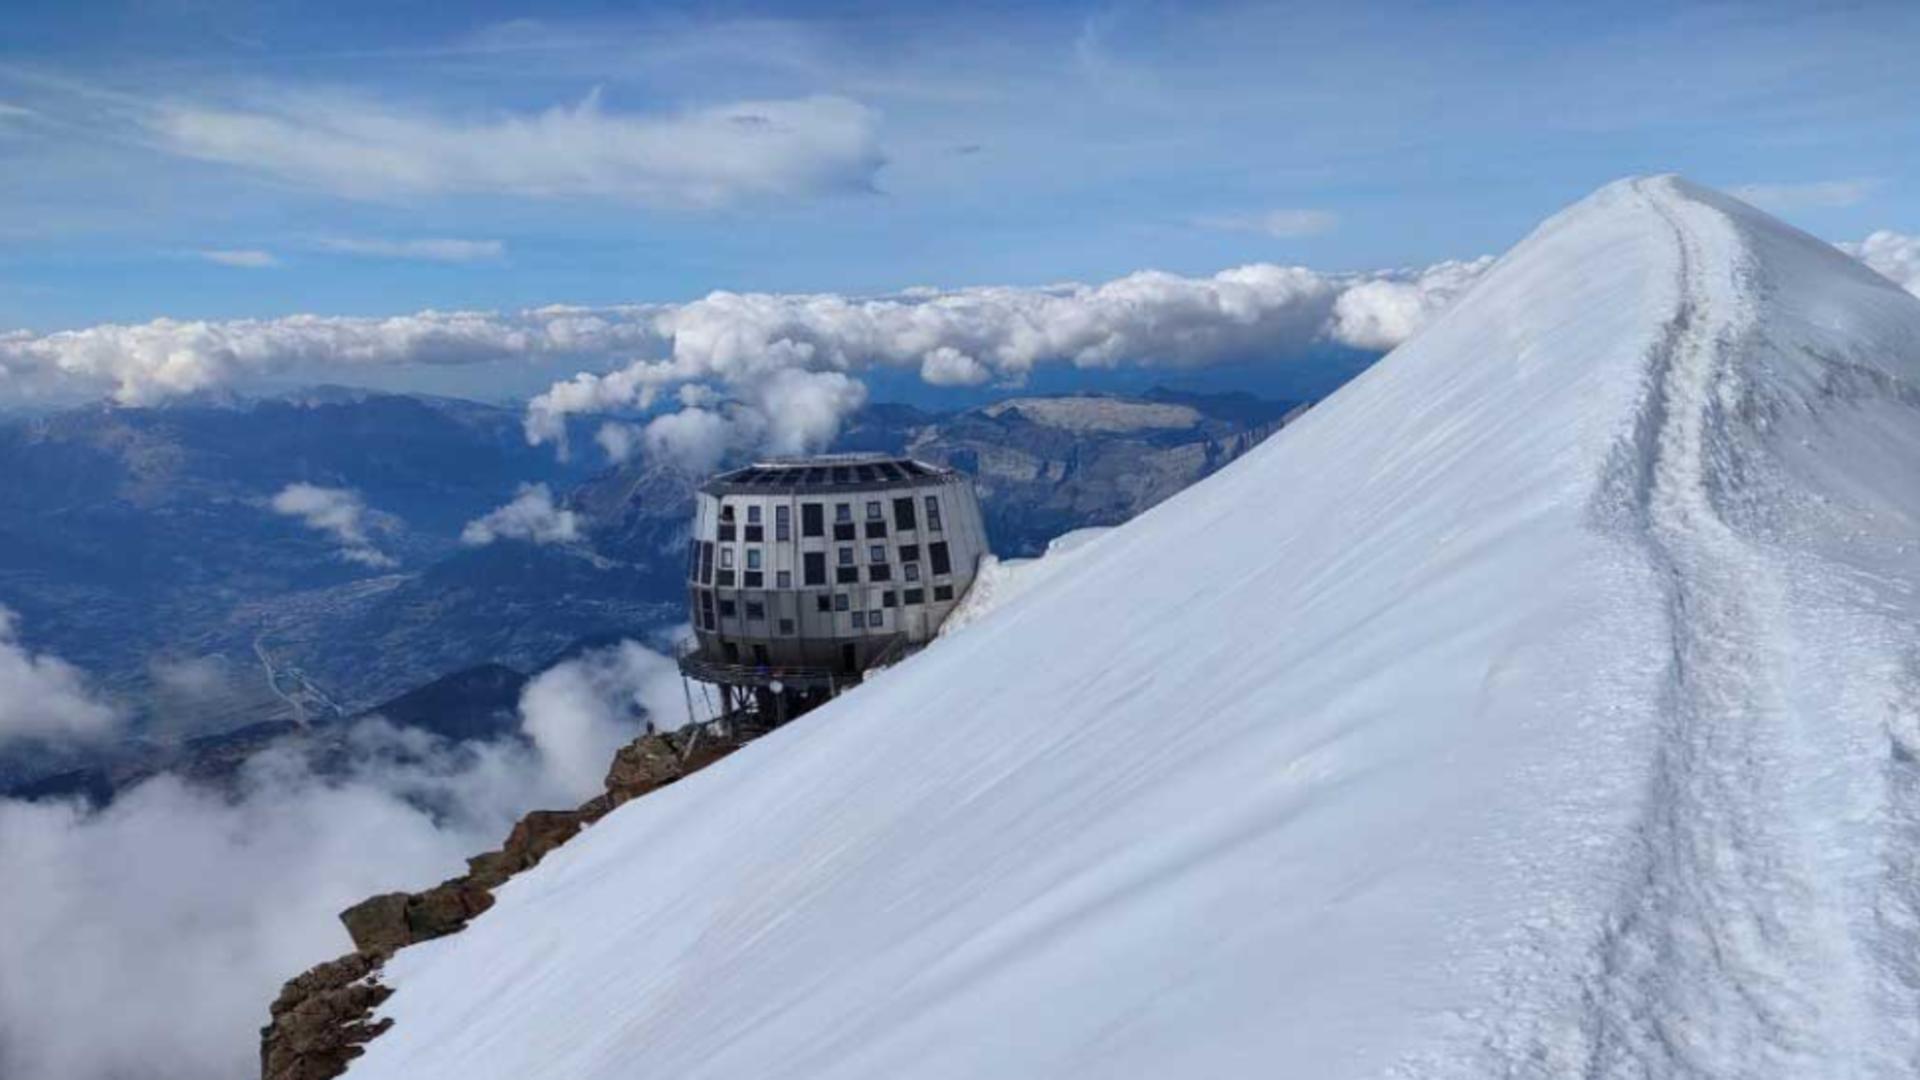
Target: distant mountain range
{"x": 135, "y": 540}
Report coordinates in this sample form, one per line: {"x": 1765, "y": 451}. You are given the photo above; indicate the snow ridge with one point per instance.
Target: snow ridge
{"x": 1544, "y": 704}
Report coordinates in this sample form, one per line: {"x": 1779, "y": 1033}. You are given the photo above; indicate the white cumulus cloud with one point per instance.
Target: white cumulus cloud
{"x": 1894, "y": 255}
{"x": 701, "y": 157}
{"x": 339, "y": 513}
{"x": 178, "y": 911}
{"x": 531, "y": 517}
{"x": 42, "y": 697}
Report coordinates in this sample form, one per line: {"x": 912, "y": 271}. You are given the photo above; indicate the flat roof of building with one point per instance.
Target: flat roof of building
{"x": 827, "y": 473}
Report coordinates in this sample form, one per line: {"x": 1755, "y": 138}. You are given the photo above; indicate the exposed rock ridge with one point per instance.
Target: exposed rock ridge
{"x": 324, "y": 1015}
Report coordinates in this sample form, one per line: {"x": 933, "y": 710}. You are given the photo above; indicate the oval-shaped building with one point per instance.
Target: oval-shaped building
{"x": 805, "y": 572}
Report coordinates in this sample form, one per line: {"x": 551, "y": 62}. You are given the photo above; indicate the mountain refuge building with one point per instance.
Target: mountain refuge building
{"x": 803, "y": 573}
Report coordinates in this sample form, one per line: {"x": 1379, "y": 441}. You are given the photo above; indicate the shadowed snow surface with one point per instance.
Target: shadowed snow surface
{"x": 1546, "y": 703}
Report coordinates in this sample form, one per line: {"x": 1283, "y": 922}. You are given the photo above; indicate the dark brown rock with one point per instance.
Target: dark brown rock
{"x": 379, "y": 923}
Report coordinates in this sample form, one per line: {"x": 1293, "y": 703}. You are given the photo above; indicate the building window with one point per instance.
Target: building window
{"x": 753, "y": 579}
{"x": 727, "y": 535}
{"x": 874, "y": 511}
{"x": 726, "y": 558}
{"x": 756, "y": 611}
{"x": 889, "y": 599}
{"x": 760, "y": 655}
{"x": 693, "y": 560}
{"x": 876, "y": 530}
{"x": 846, "y": 575}
{"x": 933, "y": 513}
{"x": 813, "y": 519}
{"x": 726, "y": 513}
{"x": 727, "y": 609}
{"x": 814, "y": 567}
{"x": 846, "y": 556}
{"x": 914, "y": 596}
{"x": 942, "y": 592}
{"x": 706, "y": 609}
{"x": 912, "y": 571}
{"x": 859, "y": 620}
{"x": 786, "y": 627}
{"x": 753, "y": 558}
{"x": 876, "y": 553}
{"x": 732, "y": 649}
{"x": 706, "y": 562}
{"x": 783, "y": 523}
{"x": 842, "y": 512}
{"x": 844, "y": 530}
{"x": 783, "y": 579}
{"x": 909, "y": 552}
{"x": 840, "y": 602}
{"x": 874, "y": 620}
{"x": 879, "y": 572}
{"x": 823, "y": 602}
{"x": 753, "y": 514}
{"x": 903, "y": 514}
{"x": 755, "y": 534}
{"x": 724, "y": 577}
{"x": 937, "y": 552}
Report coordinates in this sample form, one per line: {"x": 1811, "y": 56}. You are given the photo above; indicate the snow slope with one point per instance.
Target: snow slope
{"x": 1546, "y": 703}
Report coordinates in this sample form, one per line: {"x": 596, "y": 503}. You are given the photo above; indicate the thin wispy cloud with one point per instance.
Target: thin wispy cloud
{"x": 1816, "y": 195}
{"x": 1280, "y": 224}
{"x": 438, "y": 249}
{"x": 339, "y": 513}
{"x": 697, "y": 157}
{"x": 242, "y": 258}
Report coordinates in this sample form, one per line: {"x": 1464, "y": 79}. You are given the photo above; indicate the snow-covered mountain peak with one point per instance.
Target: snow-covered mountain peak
{"x": 1545, "y": 703}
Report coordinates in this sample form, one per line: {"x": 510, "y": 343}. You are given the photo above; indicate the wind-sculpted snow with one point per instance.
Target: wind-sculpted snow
{"x": 1546, "y": 703}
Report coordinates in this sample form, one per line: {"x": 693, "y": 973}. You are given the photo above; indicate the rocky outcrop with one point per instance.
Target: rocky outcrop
{"x": 323, "y": 1016}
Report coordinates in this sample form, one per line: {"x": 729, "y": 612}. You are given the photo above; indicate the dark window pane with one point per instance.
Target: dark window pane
{"x": 846, "y": 556}
{"x": 786, "y": 626}
{"x": 943, "y": 592}
{"x": 753, "y": 579}
{"x": 706, "y": 562}
{"x": 933, "y": 513}
{"x": 914, "y": 596}
{"x": 859, "y": 620}
{"x": 903, "y": 514}
{"x": 812, "y": 520}
{"x": 724, "y": 577}
{"x": 783, "y": 523}
{"x": 844, "y": 531}
{"x": 727, "y": 609}
{"x": 913, "y": 571}
{"x": 756, "y": 611}
{"x": 727, "y": 533}
{"x": 876, "y": 530}
{"x": 880, "y": 572}
{"x": 843, "y": 511}
{"x": 889, "y": 599}
{"x": 937, "y": 553}
{"x": 909, "y": 552}
{"x": 814, "y": 568}
{"x": 756, "y": 533}
{"x": 874, "y": 620}
{"x": 783, "y": 579}
{"x": 846, "y": 575}
{"x": 873, "y": 510}
{"x": 753, "y": 514}
{"x": 825, "y": 602}
{"x": 840, "y": 602}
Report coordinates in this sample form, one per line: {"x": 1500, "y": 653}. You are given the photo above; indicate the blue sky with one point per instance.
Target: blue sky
{"x": 941, "y": 145}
